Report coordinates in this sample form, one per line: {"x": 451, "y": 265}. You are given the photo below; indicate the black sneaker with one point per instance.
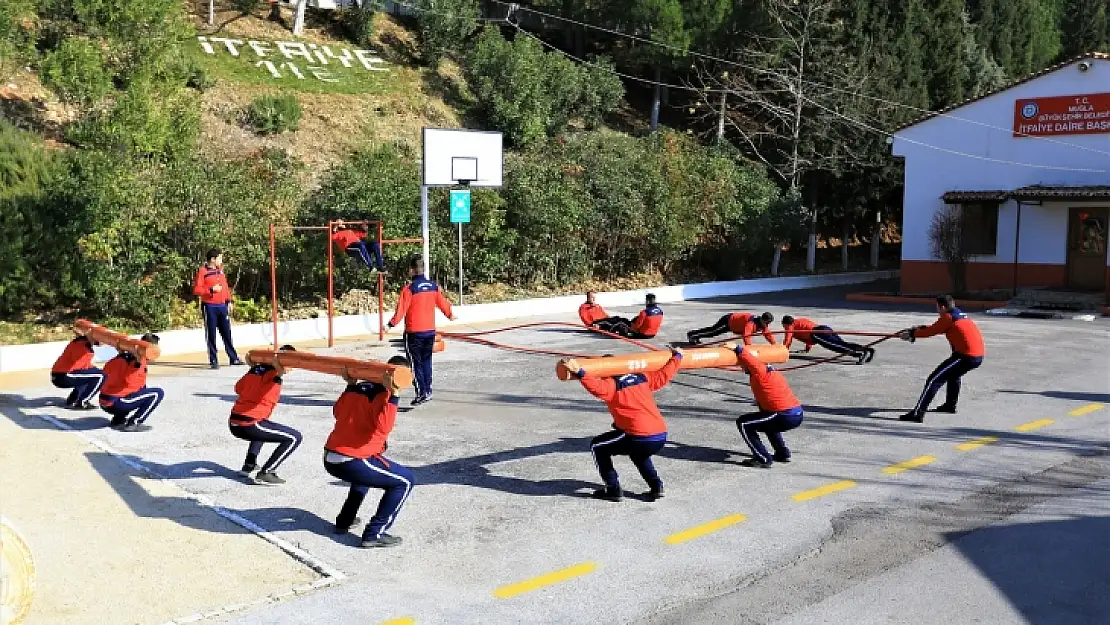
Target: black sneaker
{"x": 861, "y": 358}
{"x": 85, "y": 406}
{"x": 118, "y": 422}
{"x": 214, "y": 365}
{"x": 778, "y": 458}
{"x": 268, "y": 478}
{"x": 385, "y": 540}
{"x": 756, "y": 463}
{"x": 609, "y": 494}
{"x": 340, "y": 529}
{"x": 692, "y": 341}
{"x": 248, "y": 469}
{"x": 870, "y": 354}
{"x": 419, "y": 399}
{"x": 136, "y": 427}
{"x": 913, "y": 417}
{"x": 237, "y": 363}
{"x": 655, "y": 494}
{"x": 946, "y": 408}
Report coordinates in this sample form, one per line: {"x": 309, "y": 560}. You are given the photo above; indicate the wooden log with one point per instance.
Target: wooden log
{"x": 392, "y": 376}
{"x": 118, "y": 340}
{"x": 694, "y": 358}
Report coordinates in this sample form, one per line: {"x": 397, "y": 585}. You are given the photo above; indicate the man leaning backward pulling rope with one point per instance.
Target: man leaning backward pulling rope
{"x": 417, "y": 306}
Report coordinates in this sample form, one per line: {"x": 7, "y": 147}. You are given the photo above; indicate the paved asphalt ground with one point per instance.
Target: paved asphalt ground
{"x": 1002, "y": 517}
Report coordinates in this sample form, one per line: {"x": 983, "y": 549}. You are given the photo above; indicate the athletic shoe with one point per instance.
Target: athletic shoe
{"x": 913, "y": 417}
{"x": 237, "y": 363}
{"x": 269, "y": 478}
{"x": 85, "y": 406}
{"x": 655, "y": 494}
{"x": 608, "y": 494}
{"x": 756, "y": 463}
{"x": 870, "y": 354}
{"x": 861, "y": 358}
{"x": 946, "y": 408}
{"x": 385, "y": 540}
{"x": 692, "y": 341}
{"x": 419, "y": 399}
{"x": 343, "y": 530}
{"x": 248, "y": 469}
{"x": 778, "y": 458}
{"x": 136, "y": 427}
{"x": 214, "y": 365}
{"x": 118, "y": 422}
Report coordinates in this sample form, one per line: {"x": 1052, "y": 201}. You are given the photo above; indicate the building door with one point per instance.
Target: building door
{"x": 1087, "y": 248}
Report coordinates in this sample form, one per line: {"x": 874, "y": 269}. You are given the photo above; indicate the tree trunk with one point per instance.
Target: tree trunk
{"x": 721, "y": 117}
{"x": 298, "y": 20}
{"x": 776, "y": 259}
{"x": 211, "y": 12}
{"x": 845, "y": 232}
{"x": 876, "y": 240}
{"x": 655, "y": 99}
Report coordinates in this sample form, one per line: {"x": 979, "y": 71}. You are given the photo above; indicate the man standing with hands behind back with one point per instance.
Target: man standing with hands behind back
{"x": 417, "y": 306}
{"x": 210, "y": 286}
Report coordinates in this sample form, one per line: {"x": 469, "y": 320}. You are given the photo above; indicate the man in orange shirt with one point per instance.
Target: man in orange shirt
{"x": 590, "y": 312}
{"x": 125, "y": 394}
{"x": 74, "y": 370}
{"x": 352, "y": 240}
{"x": 968, "y": 350}
{"x": 210, "y": 285}
{"x": 744, "y": 324}
{"x": 259, "y": 390}
{"x": 417, "y": 306}
{"x": 810, "y": 333}
{"x": 639, "y": 430}
{"x": 364, "y": 417}
{"x": 779, "y": 411}
{"x": 646, "y": 325}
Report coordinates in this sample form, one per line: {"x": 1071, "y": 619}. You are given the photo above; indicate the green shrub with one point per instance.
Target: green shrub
{"x": 246, "y": 7}
{"x": 445, "y": 25}
{"x": 252, "y": 311}
{"x": 358, "y": 23}
{"x": 77, "y": 73}
{"x": 274, "y": 114}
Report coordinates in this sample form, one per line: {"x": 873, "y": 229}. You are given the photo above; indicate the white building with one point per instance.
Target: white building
{"x": 1030, "y": 167}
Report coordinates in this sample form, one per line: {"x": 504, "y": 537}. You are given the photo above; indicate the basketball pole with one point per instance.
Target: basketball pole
{"x": 424, "y": 228}
{"x": 460, "y": 266}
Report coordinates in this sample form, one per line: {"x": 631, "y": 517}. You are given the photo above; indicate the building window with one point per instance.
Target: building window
{"x": 980, "y": 228}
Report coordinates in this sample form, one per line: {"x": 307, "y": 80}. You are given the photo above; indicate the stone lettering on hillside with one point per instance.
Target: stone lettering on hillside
{"x": 295, "y": 58}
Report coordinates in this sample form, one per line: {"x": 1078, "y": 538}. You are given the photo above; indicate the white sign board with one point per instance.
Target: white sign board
{"x": 453, "y": 157}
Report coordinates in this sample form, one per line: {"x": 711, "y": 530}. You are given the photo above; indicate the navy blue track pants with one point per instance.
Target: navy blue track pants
{"x": 133, "y": 409}
{"x": 773, "y": 424}
{"x": 216, "y": 319}
{"x": 267, "y": 431}
{"x": 85, "y": 383}
{"x": 639, "y": 449}
{"x": 948, "y": 372}
{"x": 368, "y": 253}
{"x": 363, "y": 474}
{"x": 418, "y": 349}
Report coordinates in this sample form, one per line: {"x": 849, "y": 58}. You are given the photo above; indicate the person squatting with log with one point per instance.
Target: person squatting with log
{"x": 125, "y": 394}
{"x": 779, "y": 411}
{"x": 968, "y": 350}
{"x": 417, "y": 306}
{"x": 364, "y": 417}
{"x": 809, "y": 333}
{"x": 743, "y": 324}
{"x": 74, "y": 370}
{"x": 258, "y": 393}
{"x": 639, "y": 430}
{"x": 351, "y": 238}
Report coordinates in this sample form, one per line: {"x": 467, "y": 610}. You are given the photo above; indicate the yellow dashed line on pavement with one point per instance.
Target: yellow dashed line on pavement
{"x": 919, "y": 461}
{"x": 977, "y": 443}
{"x": 1079, "y": 412}
{"x": 706, "y": 528}
{"x": 1033, "y": 425}
{"x": 828, "y": 489}
{"x": 407, "y": 620}
{"x": 547, "y": 579}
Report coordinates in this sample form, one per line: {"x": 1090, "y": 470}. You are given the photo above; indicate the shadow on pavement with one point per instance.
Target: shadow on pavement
{"x": 1053, "y": 572}
{"x": 1068, "y": 395}
{"x": 292, "y": 400}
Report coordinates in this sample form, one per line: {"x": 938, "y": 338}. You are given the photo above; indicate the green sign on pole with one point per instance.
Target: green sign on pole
{"x": 460, "y": 207}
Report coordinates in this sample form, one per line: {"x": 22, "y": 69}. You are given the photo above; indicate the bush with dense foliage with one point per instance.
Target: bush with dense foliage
{"x": 445, "y": 25}
{"x": 274, "y": 114}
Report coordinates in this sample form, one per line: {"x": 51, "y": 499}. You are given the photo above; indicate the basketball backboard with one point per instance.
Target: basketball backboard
{"x": 453, "y": 157}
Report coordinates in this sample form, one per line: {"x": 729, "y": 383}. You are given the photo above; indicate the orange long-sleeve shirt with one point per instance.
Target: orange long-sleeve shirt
{"x": 417, "y": 306}
{"x": 345, "y": 238}
{"x": 802, "y": 328}
{"x": 591, "y": 313}
{"x": 259, "y": 390}
{"x": 648, "y": 321}
{"x": 77, "y": 355}
{"x": 629, "y": 398}
{"x": 207, "y": 278}
{"x": 364, "y": 417}
{"x": 962, "y": 333}
{"x": 126, "y": 374}
{"x": 744, "y": 324}
{"x": 772, "y": 392}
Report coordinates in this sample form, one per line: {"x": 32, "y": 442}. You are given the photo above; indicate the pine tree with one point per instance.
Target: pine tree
{"x": 1084, "y": 26}
{"x": 943, "y": 43}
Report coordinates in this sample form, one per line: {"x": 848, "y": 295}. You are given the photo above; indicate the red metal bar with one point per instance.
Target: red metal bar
{"x": 273, "y": 283}
{"x": 331, "y": 286}
{"x": 381, "y": 288}
{"x": 416, "y": 240}
{"x": 301, "y": 227}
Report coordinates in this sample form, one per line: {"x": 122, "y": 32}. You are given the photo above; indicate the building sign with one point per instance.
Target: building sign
{"x": 295, "y": 58}
{"x": 1064, "y": 115}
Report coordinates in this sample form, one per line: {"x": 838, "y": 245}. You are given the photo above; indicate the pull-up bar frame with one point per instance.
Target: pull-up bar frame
{"x": 329, "y": 229}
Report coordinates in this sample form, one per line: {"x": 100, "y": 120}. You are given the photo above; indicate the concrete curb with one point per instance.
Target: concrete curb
{"x": 879, "y": 298}
{"x": 176, "y": 342}
{"x": 331, "y": 575}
